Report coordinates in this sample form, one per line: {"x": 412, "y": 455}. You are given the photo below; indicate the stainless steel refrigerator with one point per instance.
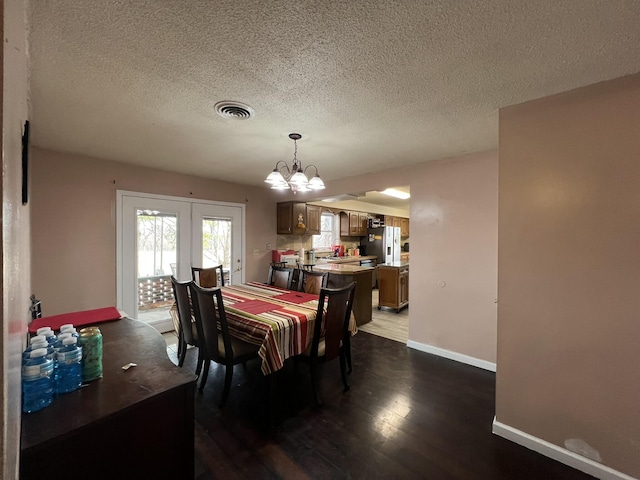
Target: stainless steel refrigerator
{"x": 384, "y": 243}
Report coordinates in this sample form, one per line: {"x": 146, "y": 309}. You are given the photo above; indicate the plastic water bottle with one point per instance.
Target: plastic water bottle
{"x": 37, "y": 338}
{"x": 69, "y": 328}
{"x": 61, "y": 336}
{"x": 68, "y": 375}
{"x": 37, "y": 381}
{"x": 48, "y": 333}
{"x": 35, "y": 342}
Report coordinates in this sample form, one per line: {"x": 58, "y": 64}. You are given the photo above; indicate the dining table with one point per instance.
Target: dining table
{"x": 280, "y": 321}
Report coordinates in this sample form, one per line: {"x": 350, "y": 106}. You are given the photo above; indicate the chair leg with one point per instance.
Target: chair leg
{"x": 200, "y": 360}
{"x": 343, "y": 370}
{"x": 205, "y": 374}
{"x": 228, "y": 376}
{"x": 314, "y": 383}
{"x": 347, "y": 351}
{"x": 181, "y": 345}
{"x": 182, "y": 354}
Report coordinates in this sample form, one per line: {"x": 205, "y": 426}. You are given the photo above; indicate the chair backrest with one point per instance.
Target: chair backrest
{"x": 183, "y": 302}
{"x": 334, "y": 311}
{"x": 280, "y": 277}
{"x": 209, "y": 311}
{"x": 312, "y": 282}
{"x": 208, "y": 277}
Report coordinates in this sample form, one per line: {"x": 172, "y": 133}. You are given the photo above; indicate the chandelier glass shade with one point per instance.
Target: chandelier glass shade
{"x": 295, "y": 178}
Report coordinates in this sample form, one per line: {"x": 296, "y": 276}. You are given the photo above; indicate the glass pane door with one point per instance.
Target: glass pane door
{"x": 216, "y": 244}
{"x": 162, "y": 236}
{"x": 157, "y": 260}
{"x": 154, "y": 236}
{"x": 217, "y": 239}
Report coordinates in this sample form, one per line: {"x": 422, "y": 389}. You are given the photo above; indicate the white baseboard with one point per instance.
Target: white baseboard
{"x": 555, "y": 452}
{"x": 458, "y": 357}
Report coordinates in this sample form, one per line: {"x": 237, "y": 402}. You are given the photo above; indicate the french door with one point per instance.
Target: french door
{"x": 159, "y": 236}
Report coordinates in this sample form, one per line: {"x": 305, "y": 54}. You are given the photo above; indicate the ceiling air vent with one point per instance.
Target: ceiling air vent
{"x": 234, "y": 110}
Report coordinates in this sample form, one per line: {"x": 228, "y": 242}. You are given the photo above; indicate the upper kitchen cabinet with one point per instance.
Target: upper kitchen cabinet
{"x": 390, "y": 221}
{"x": 353, "y": 224}
{"x": 404, "y": 227}
{"x": 401, "y": 222}
{"x": 297, "y": 218}
{"x": 313, "y": 219}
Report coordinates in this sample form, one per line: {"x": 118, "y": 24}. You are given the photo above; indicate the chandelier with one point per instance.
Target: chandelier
{"x": 282, "y": 177}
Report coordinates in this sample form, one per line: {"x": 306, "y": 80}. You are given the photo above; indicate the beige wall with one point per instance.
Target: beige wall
{"x": 74, "y": 224}
{"x": 454, "y": 218}
{"x": 15, "y": 230}
{"x": 569, "y": 270}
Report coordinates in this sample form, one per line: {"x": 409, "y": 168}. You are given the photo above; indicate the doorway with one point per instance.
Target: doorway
{"x": 160, "y": 236}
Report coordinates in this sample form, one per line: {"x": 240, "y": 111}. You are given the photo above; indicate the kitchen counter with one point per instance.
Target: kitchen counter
{"x": 345, "y": 259}
{"x": 340, "y": 269}
{"x": 343, "y": 274}
{"x": 398, "y": 264}
{"x": 393, "y": 285}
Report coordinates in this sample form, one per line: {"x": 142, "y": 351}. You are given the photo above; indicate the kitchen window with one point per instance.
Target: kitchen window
{"x": 328, "y": 233}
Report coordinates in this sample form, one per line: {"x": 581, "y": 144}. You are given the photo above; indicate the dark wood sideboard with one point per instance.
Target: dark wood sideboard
{"x": 137, "y": 423}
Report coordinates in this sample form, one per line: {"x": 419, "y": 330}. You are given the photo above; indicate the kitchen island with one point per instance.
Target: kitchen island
{"x": 393, "y": 285}
{"x": 347, "y": 259}
{"x": 342, "y": 274}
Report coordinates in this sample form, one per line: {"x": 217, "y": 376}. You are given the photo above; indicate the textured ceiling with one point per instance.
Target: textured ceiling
{"x": 368, "y": 84}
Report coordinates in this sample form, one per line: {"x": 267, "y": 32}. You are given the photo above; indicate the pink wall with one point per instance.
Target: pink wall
{"x": 16, "y": 269}
{"x": 74, "y": 224}
{"x": 569, "y": 271}
{"x": 454, "y": 219}
{"x": 454, "y": 225}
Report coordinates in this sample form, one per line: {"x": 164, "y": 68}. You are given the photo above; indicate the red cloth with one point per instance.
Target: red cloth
{"x": 254, "y": 307}
{"x": 78, "y": 319}
{"x": 296, "y": 297}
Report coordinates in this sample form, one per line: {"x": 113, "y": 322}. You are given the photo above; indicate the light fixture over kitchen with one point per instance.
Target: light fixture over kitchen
{"x": 392, "y": 192}
{"x": 283, "y": 178}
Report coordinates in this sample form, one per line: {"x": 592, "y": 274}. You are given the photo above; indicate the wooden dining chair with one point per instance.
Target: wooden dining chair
{"x": 280, "y": 277}
{"x": 312, "y": 282}
{"x": 219, "y": 345}
{"x": 188, "y": 333}
{"x": 208, "y": 277}
{"x": 330, "y": 333}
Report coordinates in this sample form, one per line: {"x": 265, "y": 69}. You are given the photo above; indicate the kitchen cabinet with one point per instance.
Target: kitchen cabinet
{"x": 363, "y": 219}
{"x": 313, "y": 219}
{"x": 393, "y": 286}
{"x": 404, "y": 227}
{"x": 288, "y": 214}
{"x": 390, "y": 221}
{"x": 401, "y": 222}
{"x": 353, "y": 224}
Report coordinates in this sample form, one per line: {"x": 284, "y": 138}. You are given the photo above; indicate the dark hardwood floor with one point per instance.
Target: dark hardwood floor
{"x": 408, "y": 415}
